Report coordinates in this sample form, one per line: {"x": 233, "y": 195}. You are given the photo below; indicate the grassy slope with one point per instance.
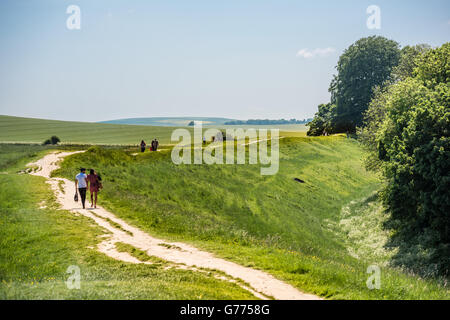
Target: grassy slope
{"x": 13, "y": 155}
{"x": 15, "y": 129}
{"x": 29, "y": 130}
{"x": 37, "y": 245}
{"x": 271, "y": 223}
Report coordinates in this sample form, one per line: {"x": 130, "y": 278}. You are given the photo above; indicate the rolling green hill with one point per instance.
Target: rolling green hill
{"x": 30, "y": 130}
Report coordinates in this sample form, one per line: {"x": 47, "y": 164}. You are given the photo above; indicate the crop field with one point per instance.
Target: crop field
{"x": 29, "y": 130}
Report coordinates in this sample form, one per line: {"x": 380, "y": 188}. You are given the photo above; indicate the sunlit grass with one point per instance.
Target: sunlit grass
{"x": 38, "y": 243}
{"x": 29, "y": 130}
{"x": 271, "y": 223}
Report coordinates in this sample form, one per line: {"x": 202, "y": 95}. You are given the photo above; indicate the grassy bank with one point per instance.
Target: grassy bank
{"x": 14, "y": 156}
{"x": 273, "y": 223}
{"x": 38, "y": 243}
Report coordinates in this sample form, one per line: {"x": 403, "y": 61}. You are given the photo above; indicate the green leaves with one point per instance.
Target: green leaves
{"x": 362, "y": 68}
{"x": 365, "y": 65}
{"x": 433, "y": 67}
{"x": 413, "y": 144}
{"x": 323, "y": 120}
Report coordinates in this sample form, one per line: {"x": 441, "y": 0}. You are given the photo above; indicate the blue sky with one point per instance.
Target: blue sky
{"x": 234, "y": 58}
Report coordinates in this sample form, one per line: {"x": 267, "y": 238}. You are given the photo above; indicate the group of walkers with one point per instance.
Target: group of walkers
{"x": 153, "y": 146}
{"x": 93, "y": 181}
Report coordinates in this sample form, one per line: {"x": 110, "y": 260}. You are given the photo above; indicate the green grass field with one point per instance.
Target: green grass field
{"x": 273, "y": 223}
{"x": 12, "y": 155}
{"x": 38, "y": 243}
{"x": 319, "y": 236}
{"x": 29, "y": 130}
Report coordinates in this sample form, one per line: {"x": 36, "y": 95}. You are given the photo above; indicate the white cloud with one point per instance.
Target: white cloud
{"x": 319, "y": 52}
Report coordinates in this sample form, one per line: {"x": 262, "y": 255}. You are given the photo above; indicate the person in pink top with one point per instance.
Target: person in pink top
{"x": 94, "y": 186}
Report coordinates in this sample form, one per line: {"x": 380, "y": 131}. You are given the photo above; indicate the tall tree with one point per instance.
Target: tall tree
{"x": 408, "y": 61}
{"x": 376, "y": 112}
{"x": 323, "y": 120}
{"x": 365, "y": 65}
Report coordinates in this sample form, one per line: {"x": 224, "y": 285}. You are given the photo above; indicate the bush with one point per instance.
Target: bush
{"x": 323, "y": 120}
{"x": 53, "y": 140}
{"x": 413, "y": 144}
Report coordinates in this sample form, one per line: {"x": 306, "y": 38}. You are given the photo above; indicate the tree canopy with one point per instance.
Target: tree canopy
{"x": 412, "y": 143}
{"x": 323, "y": 120}
{"x": 365, "y": 65}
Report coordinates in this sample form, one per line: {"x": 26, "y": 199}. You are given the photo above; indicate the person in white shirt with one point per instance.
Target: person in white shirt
{"x": 81, "y": 185}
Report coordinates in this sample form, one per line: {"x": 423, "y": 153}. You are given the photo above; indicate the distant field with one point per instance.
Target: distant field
{"x": 29, "y": 130}
{"x": 207, "y": 122}
{"x": 282, "y": 127}
{"x": 169, "y": 121}
{"x": 15, "y": 129}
